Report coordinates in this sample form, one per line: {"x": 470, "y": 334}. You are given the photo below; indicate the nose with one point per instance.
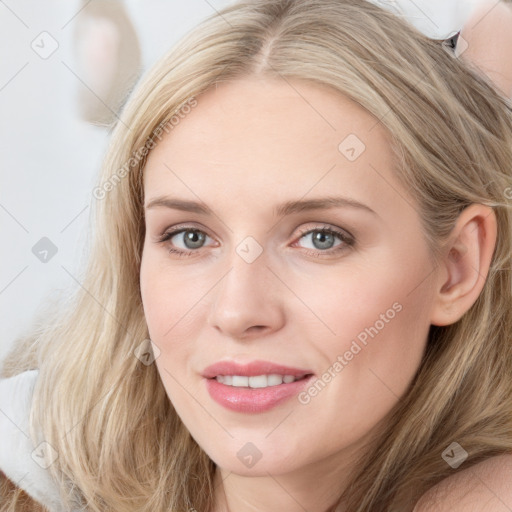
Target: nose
{"x": 248, "y": 301}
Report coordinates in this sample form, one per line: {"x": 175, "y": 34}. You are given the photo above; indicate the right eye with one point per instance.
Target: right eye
{"x": 183, "y": 240}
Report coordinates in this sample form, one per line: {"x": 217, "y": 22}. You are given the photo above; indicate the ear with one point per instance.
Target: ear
{"x": 465, "y": 264}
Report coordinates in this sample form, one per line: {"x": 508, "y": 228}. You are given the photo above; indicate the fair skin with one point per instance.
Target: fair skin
{"x": 247, "y": 147}
{"x": 488, "y": 36}
{"x": 485, "y": 486}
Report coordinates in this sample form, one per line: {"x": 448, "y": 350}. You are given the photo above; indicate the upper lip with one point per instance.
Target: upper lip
{"x": 251, "y": 369}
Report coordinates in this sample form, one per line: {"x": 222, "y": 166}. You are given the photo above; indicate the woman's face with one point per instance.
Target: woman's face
{"x": 250, "y": 279}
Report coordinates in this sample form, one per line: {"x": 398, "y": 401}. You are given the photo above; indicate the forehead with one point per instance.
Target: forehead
{"x": 273, "y": 138}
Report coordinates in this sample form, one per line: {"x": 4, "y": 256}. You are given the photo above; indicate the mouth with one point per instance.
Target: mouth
{"x": 254, "y": 387}
{"x": 257, "y": 368}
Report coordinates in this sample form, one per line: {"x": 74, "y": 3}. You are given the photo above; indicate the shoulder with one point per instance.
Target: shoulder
{"x": 19, "y": 460}
{"x": 484, "y": 486}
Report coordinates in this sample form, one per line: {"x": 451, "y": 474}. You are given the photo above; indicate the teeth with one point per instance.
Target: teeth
{"x": 240, "y": 381}
{"x": 274, "y": 380}
{"x": 257, "y": 381}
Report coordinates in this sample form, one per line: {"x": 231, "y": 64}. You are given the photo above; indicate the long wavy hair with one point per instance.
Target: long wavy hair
{"x": 121, "y": 445}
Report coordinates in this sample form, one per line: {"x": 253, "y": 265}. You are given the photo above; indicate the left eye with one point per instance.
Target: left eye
{"x": 324, "y": 239}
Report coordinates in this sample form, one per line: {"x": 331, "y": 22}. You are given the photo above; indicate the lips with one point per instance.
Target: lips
{"x": 252, "y": 369}
{"x": 253, "y": 399}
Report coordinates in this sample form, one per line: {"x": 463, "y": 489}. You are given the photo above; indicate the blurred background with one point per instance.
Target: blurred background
{"x": 66, "y": 67}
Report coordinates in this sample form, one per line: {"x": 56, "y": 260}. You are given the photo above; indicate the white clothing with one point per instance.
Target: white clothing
{"x": 20, "y": 460}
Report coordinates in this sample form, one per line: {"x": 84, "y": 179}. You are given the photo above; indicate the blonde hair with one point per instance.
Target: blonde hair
{"x": 121, "y": 445}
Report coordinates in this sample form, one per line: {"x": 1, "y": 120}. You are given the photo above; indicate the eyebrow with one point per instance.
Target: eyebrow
{"x": 281, "y": 210}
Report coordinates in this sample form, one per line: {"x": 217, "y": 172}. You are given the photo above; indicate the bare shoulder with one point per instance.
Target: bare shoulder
{"x": 484, "y": 486}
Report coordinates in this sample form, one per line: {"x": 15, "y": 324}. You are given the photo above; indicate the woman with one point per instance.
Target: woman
{"x": 298, "y": 297}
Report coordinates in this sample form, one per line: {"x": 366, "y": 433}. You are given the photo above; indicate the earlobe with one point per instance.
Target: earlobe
{"x": 465, "y": 264}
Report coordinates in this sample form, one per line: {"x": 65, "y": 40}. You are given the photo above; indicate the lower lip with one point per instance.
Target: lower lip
{"x": 253, "y": 400}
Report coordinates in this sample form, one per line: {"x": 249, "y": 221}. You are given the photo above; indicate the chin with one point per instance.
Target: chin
{"x": 249, "y": 461}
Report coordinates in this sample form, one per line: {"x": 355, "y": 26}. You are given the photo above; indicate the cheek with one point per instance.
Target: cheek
{"x": 382, "y": 302}
{"x": 167, "y": 309}
{"x": 175, "y": 309}
{"x": 381, "y": 323}
{"x": 168, "y": 296}
{"x": 383, "y": 311}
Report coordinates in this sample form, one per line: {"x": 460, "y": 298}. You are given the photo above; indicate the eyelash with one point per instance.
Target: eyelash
{"x": 346, "y": 239}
